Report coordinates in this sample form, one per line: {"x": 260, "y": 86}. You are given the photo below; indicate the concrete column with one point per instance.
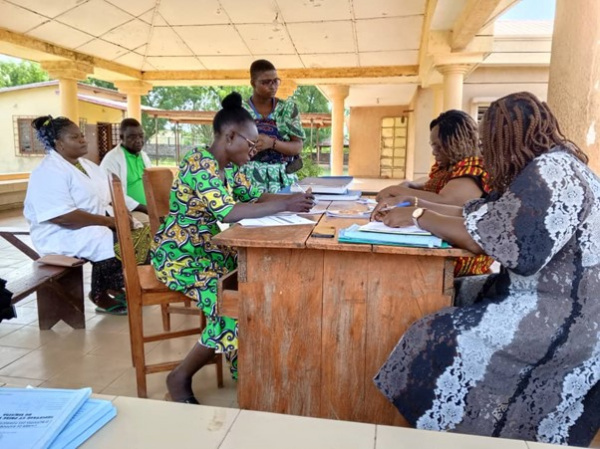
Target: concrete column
{"x": 286, "y": 89}
{"x": 68, "y": 73}
{"x": 574, "y": 83}
{"x": 134, "y": 90}
{"x": 337, "y": 95}
{"x": 454, "y": 75}
{"x": 438, "y": 99}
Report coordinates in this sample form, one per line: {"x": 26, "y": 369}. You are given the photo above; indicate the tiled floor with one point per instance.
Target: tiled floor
{"x": 97, "y": 357}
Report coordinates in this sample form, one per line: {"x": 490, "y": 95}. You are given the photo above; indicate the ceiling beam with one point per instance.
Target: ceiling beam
{"x": 474, "y": 16}
{"x": 425, "y": 65}
{"x": 341, "y": 73}
{"x": 54, "y": 51}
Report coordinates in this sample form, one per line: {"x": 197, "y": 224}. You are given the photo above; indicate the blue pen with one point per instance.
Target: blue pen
{"x": 402, "y": 204}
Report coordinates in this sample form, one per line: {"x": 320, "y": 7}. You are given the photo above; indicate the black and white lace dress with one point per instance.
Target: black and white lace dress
{"x": 523, "y": 361}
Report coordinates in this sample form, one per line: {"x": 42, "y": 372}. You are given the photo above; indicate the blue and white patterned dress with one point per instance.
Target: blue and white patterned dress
{"x": 523, "y": 360}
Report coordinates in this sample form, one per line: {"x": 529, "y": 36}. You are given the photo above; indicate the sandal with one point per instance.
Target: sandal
{"x": 112, "y": 304}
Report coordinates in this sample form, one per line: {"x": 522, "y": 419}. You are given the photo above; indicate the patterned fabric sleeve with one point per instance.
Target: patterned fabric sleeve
{"x": 288, "y": 120}
{"x": 210, "y": 189}
{"x": 537, "y": 215}
{"x": 243, "y": 190}
{"x": 472, "y": 167}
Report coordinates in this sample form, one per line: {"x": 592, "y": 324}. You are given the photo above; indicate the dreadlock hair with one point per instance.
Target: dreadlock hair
{"x": 516, "y": 129}
{"x": 49, "y": 129}
{"x": 259, "y": 66}
{"x": 458, "y": 134}
{"x": 128, "y": 123}
{"x": 232, "y": 112}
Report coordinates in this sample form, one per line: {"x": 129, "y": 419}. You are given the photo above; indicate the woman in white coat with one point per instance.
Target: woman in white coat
{"x": 67, "y": 204}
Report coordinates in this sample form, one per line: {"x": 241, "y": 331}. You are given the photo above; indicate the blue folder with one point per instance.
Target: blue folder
{"x": 353, "y": 235}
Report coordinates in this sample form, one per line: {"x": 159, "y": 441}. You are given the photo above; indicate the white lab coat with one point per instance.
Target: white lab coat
{"x": 114, "y": 162}
{"x": 56, "y": 187}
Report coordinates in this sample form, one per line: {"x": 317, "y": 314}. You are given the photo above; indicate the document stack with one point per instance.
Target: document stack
{"x": 40, "y": 418}
{"x": 376, "y": 233}
{"x": 328, "y": 188}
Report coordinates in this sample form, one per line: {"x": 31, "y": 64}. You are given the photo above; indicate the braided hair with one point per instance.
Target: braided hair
{"x": 458, "y": 134}
{"x": 49, "y": 129}
{"x": 516, "y": 129}
{"x": 232, "y": 112}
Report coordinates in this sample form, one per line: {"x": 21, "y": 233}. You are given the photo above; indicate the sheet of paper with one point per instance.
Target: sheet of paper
{"x": 276, "y": 220}
{"x": 90, "y": 417}
{"x": 33, "y": 417}
{"x": 352, "y": 195}
{"x": 378, "y": 226}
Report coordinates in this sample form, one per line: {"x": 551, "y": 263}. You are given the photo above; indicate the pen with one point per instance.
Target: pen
{"x": 402, "y": 204}
{"x": 299, "y": 187}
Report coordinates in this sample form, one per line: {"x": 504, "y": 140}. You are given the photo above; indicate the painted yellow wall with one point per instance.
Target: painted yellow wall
{"x": 33, "y": 103}
{"x": 365, "y": 135}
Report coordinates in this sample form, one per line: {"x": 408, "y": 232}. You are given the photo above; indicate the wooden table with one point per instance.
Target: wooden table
{"x": 318, "y": 318}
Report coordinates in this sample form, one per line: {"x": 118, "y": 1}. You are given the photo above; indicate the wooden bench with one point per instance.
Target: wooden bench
{"x": 59, "y": 289}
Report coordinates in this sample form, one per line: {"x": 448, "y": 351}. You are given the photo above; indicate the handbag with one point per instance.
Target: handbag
{"x": 294, "y": 164}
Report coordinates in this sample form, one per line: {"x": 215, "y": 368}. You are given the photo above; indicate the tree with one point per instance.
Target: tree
{"x": 19, "y": 73}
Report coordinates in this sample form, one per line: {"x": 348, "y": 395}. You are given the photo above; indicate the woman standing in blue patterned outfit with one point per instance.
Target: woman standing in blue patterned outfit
{"x": 209, "y": 189}
{"x": 521, "y": 357}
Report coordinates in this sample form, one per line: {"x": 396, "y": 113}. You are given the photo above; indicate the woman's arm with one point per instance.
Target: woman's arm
{"x": 287, "y": 148}
{"x": 78, "y": 219}
{"x": 449, "y": 228}
{"x": 457, "y": 192}
{"x": 299, "y": 202}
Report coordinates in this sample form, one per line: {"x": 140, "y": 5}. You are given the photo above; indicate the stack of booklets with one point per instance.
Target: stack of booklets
{"x": 40, "y": 418}
{"x": 376, "y": 233}
{"x": 328, "y": 188}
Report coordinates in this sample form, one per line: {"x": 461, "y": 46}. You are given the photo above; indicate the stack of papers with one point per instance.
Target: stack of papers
{"x": 378, "y": 226}
{"x": 353, "y": 234}
{"x": 276, "y": 220}
{"x": 324, "y": 184}
{"x": 50, "y": 418}
{"x": 350, "y": 195}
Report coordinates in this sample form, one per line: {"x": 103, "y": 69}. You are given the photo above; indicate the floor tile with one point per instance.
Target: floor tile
{"x": 259, "y": 430}
{"x": 40, "y": 363}
{"x": 8, "y": 355}
{"x": 20, "y": 382}
{"x": 28, "y": 337}
{"x": 6, "y": 327}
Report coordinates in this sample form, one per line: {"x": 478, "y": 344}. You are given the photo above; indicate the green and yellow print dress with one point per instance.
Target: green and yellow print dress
{"x": 183, "y": 254}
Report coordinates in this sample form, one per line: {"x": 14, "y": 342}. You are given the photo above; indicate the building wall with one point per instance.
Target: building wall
{"x": 365, "y": 135}
{"x": 29, "y": 102}
{"x": 36, "y": 102}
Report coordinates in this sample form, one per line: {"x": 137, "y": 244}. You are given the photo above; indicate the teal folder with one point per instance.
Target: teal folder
{"x": 353, "y": 235}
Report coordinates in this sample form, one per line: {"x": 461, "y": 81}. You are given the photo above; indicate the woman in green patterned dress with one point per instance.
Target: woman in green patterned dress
{"x": 280, "y": 131}
{"x": 209, "y": 189}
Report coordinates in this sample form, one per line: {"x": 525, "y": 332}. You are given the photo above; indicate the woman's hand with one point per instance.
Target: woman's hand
{"x": 399, "y": 217}
{"x": 263, "y": 143}
{"x": 300, "y": 202}
{"x": 391, "y": 191}
{"x": 384, "y": 206}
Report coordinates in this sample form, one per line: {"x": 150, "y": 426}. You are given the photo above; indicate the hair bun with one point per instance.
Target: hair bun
{"x": 232, "y": 101}
{"x": 40, "y": 122}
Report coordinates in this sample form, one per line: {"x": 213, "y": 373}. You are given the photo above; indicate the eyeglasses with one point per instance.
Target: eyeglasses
{"x": 251, "y": 143}
{"x": 270, "y": 82}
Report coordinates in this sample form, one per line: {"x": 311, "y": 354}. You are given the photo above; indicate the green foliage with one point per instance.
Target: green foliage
{"x": 310, "y": 100}
{"x": 19, "y": 73}
{"x": 309, "y": 165}
{"x": 99, "y": 83}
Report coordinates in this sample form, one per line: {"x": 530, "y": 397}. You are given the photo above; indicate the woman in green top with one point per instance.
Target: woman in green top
{"x": 280, "y": 131}
{"x": 209, "y": 189}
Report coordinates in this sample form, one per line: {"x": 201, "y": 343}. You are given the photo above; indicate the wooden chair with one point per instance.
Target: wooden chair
{"x": 157, "y": 186}
{"x": 143, "y": 289}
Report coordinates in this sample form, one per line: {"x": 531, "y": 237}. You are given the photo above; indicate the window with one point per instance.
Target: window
{"x": 394, "y": 132}
{"x": 481, "y": 111}
{"x": 26, "y": 143}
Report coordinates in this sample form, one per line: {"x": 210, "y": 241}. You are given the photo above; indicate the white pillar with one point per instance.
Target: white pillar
{"x": 337, "y": 94}
{"x": 68, "y": 73}
{"x": 454, "y": 75}
{"x": 574, "y": 83}
{"x": 134, "y": 91}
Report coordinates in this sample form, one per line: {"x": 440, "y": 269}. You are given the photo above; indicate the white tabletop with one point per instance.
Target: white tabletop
{"x": 149, "y": 424}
